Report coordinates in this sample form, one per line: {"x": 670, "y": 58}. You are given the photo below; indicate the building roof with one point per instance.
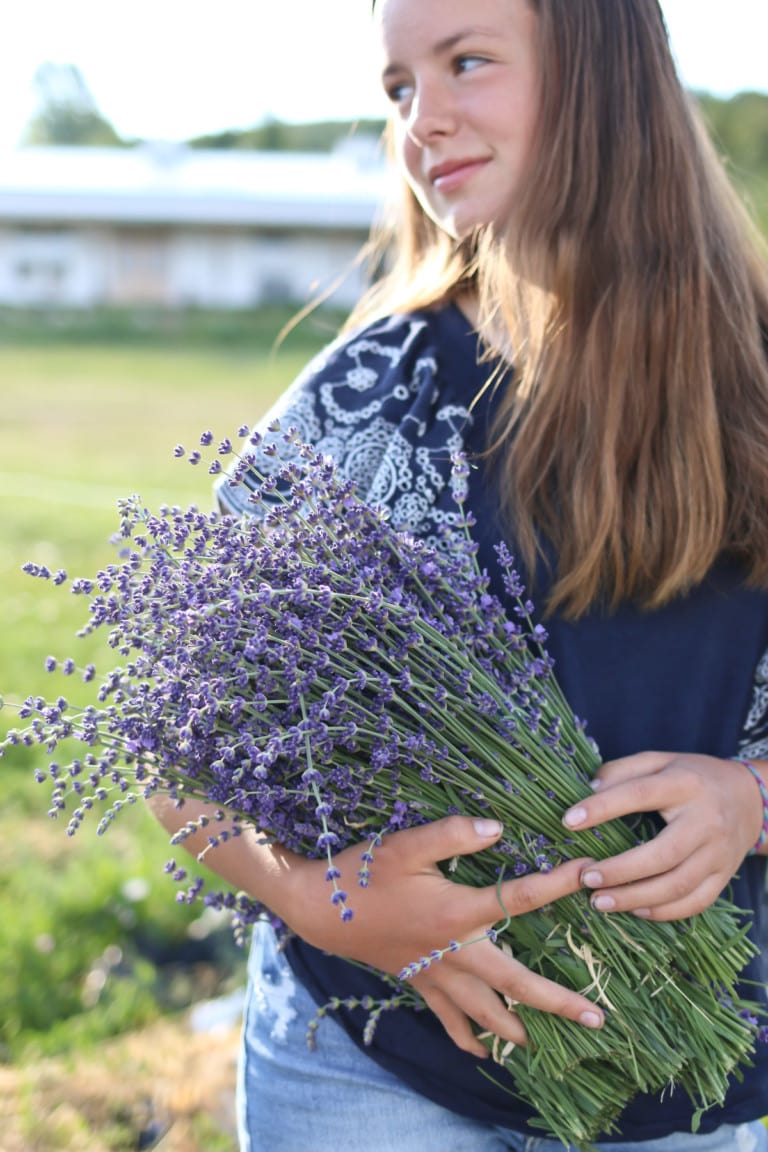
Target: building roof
{"x": 173, "y": 184}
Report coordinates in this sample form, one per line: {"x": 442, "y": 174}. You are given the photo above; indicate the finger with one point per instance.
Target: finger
{"x": 428, "y": 844}
{"x": 515, "y": 981}
{"x": 536, "y": 890}
{"x": 691, "y": 905}
{"x": 672, "y": 888}
{"x": 649, "y": 793}
{"x": 656, "y": 857}
{"x": 455, "y": 1022}
{"x": 627, "y": 767}
{"x": 475, "y": 1000}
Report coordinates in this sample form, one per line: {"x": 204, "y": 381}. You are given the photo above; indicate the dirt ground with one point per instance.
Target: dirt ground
{"x": 167, "y": 1088}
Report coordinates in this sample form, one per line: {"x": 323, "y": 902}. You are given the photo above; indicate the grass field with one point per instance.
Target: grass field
{"x": 93, "y": 944}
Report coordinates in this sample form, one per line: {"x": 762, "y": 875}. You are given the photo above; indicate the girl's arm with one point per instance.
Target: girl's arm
{"x": 408, "y": 909}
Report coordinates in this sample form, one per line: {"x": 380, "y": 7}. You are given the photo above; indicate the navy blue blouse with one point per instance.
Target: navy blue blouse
{"x": 391, "y": 404}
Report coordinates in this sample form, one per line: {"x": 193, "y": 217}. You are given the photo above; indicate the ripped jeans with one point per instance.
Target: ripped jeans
{"x": 337, "y": 1100}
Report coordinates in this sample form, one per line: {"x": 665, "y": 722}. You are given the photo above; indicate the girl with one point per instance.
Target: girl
{"x": 575, "y": 299}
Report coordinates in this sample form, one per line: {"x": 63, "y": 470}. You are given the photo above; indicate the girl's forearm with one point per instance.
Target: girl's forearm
{"x": 266, "y": 872}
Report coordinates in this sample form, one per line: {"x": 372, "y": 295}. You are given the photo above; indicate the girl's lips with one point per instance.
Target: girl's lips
{"x": 446, "y": 177}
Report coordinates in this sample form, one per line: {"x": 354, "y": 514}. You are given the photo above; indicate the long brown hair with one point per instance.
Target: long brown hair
{"x": 634, "y": 291}
{"x": 637, "y": 306}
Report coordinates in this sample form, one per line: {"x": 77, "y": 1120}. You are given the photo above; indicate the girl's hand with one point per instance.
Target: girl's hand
{"x": 411, "y": 908}
{"x": 713, "y": 817}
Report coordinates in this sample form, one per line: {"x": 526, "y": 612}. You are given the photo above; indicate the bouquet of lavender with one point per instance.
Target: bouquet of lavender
{"x": 317, "y": 674}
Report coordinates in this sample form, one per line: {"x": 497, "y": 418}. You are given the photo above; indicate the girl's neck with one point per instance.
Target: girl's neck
{"x": 494, "y": 334}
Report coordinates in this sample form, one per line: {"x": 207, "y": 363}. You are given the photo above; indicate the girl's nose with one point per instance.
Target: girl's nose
{"x": 432, "y": 113}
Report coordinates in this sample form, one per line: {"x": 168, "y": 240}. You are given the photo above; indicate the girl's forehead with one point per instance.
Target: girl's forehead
{"x": 393, "y": 14}
{"x": 406, "y": 26}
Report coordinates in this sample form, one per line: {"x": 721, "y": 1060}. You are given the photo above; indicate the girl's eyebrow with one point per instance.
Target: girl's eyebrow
{"x": 448, "y": 43}
{"x": 452, "y": 40}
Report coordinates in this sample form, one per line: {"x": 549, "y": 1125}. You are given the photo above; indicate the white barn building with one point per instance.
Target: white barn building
{"x": 172, "y": 227}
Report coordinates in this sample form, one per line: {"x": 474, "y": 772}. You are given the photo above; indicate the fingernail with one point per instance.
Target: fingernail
{"x": 575, "y": 816}
{"x": 592, "y": 879}
{"x": 603, "y": 903}
{"x": 643, "y": 913}
{"x": 591, "y": 1020}
{"x": 488, "y": 827}
{"x": 595, "y": 784}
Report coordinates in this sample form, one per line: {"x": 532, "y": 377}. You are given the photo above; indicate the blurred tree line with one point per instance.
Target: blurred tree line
{"x": 67, "y": 114}
{"x": 279, "y": 136}
{"x": 739, "y": 128}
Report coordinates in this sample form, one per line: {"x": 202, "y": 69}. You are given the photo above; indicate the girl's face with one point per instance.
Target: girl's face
{"x": 463, "y": 81}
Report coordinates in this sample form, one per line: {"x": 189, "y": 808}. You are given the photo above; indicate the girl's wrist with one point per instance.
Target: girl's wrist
{"x": 760, "y": 779}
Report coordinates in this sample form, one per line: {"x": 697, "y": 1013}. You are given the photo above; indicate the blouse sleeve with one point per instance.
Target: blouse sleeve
{"x": 372, "y": 403}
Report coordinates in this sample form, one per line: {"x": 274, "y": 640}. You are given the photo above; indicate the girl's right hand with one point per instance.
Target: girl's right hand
{"x": 410, "y": 908}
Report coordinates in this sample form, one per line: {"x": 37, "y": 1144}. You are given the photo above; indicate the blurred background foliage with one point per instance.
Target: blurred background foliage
{"x": 739, "y": 128}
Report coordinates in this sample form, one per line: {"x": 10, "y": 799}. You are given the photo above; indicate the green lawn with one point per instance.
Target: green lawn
{"x": 87, "y": 922}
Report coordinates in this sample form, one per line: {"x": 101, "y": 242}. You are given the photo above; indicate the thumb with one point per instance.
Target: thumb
{"x": 428, "y": 844}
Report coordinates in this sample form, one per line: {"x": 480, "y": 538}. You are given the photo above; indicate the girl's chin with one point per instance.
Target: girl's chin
{"x": 459, "y": 226}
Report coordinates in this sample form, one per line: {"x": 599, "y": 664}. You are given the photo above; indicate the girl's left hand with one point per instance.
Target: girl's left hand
{"x": 713, "y": 817}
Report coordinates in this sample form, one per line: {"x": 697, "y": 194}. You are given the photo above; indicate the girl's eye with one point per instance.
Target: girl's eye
{"x": 469, "y": 63}
{"x": 398, "y": 91}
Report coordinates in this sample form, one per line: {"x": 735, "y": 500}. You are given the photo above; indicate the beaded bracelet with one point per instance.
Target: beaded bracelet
{"x": 764, "y": 794}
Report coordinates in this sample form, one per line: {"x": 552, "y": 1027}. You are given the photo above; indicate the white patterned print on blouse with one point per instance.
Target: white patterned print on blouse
{"x": 754, "y": 742}
{"x": 372, "y": 403}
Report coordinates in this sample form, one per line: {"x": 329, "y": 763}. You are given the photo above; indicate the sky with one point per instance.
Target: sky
{"x": 172, "y": 69}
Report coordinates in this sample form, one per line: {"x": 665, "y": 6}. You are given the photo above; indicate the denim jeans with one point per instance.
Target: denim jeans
{"x": 337, "y": 1100}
